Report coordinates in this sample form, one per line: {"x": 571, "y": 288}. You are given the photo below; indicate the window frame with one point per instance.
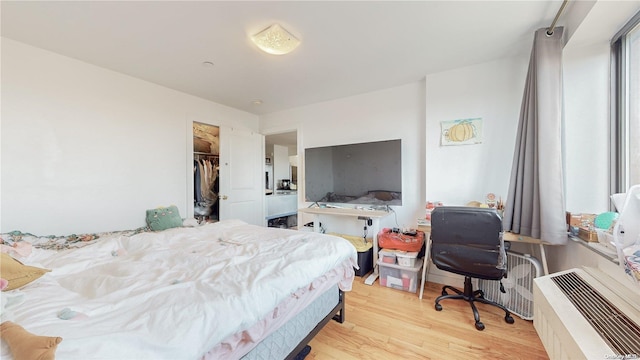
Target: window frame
{"x": 619, "y": 119}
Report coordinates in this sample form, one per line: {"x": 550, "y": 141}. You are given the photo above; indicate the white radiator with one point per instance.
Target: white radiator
{"x": 577, "y": 316}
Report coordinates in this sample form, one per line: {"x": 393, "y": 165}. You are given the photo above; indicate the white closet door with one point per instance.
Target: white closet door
{"x": 241, "y": 174}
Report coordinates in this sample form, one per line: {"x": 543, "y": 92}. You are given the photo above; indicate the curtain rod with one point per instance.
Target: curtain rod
{"x": 553, "y": 24}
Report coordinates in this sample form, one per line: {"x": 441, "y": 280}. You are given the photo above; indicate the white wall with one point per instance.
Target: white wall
{"x": 455, "y": 175}
{"x": 491, "y": 91}
{"x": 459, "y": 174}
{"x": 395, "y": 113}
{"x": 85, "y": 149}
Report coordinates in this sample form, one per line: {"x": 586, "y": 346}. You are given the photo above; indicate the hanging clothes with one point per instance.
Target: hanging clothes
{"x": 197, "y": 193}
{"x": 205, "y": 184}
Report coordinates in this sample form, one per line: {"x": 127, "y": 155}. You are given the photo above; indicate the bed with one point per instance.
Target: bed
{"x": 224, "y": 290}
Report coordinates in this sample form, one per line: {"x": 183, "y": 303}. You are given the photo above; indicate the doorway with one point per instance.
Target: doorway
{"x": 206, "y": 167}
{"x": 281, "y": 159}
{"x": 281, "y": 179}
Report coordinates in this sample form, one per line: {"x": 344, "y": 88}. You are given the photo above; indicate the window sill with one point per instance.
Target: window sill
{"x": 598, "y": 248}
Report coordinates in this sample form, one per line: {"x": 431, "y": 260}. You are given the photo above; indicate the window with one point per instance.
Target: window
{"x": 625, "y": 124}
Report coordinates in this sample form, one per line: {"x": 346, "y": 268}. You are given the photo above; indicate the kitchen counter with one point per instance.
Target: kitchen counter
{"x": 282, "y": 203}
{"x": 285, "y": 192}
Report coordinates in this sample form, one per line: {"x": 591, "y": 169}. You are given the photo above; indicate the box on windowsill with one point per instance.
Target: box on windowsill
{"x": 588, "y": 235}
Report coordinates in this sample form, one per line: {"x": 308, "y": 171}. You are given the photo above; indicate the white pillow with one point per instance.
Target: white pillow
{"x": 618, "y": 200}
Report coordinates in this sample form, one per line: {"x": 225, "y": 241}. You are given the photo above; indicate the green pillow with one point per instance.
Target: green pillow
{"x": 164, "y": 218}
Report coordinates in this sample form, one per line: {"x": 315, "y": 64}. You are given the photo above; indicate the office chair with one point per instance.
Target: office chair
{"x": 468, "y": 241}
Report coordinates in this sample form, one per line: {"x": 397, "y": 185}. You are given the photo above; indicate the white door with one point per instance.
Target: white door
{"x": 241, "y": 174}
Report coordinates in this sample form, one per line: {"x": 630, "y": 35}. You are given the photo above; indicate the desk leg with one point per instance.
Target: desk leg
{"x": 316, "y": 223}
{"x": 544, "y": 260}
{"x": 374, "y": 275}
{"x": 425, "y": 264}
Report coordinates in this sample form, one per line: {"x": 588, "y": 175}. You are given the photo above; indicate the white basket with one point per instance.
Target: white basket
{"x": 407, "y": 259}
{"x": 387, "y": 256}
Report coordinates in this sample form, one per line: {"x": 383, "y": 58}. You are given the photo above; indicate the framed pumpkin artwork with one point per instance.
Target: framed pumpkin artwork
{"x": 461, "y": 132}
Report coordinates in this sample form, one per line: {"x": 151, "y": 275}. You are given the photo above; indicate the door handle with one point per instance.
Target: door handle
{"x": 223, "y": 197}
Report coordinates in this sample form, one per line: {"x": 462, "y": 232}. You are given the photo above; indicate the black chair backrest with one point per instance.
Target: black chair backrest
{"x": 468, "y": 241}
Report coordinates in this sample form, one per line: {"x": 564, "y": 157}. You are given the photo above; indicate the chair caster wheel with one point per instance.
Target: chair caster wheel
{"x": 479, "y": 326}
{"x": 438, "y": 307}
{"x": 509, "y": 319}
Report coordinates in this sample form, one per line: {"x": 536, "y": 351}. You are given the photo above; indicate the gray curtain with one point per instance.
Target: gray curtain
{"x": 535, "y": 204}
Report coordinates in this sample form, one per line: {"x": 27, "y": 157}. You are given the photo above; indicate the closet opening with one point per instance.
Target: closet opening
{"x": 206, "y": 167}
{"x": 281, "y": 179}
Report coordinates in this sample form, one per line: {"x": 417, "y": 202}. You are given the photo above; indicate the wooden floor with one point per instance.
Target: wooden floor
{"x": 383, "y": 323}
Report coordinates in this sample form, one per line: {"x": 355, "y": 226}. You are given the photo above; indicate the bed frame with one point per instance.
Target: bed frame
{"x": 337, "y": 314}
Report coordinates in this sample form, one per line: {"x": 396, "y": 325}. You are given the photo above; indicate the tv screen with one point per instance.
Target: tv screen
{"x": 357, "y": 174}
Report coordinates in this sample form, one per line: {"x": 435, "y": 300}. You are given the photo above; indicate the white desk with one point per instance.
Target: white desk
{"x": 374, "y": 215}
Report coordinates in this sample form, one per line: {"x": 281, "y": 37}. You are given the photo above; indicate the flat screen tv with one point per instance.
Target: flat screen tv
{"x": 363, "y": 174}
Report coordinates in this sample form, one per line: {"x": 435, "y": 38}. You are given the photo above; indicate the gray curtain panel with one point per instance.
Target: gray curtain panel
{"x": 535, "y": 204}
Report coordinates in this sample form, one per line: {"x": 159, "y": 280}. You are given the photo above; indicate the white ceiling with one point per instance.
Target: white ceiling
{"x": 347, "y": 48}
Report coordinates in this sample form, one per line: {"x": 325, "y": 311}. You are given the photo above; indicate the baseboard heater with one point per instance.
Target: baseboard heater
{"x": 577, "y": 316}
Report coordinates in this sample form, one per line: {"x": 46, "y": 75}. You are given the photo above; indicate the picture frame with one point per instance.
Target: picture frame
{"x": 461, "y": 132}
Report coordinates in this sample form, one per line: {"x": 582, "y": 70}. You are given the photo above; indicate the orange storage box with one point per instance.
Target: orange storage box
{"x": 387, "y": 239}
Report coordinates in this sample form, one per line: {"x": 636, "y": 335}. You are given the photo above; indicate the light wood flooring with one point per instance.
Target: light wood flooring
{"x": 384, "y": 323}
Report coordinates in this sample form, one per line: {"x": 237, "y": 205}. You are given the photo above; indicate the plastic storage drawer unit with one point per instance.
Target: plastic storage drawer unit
{"x": 400, "y": 277}
{"x": 405, "y": 258}
{"x": 387, "y": 256}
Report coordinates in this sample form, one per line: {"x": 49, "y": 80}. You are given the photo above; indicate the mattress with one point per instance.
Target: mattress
{"x": 242, "y": 342}
{"x": 282, "y": 341}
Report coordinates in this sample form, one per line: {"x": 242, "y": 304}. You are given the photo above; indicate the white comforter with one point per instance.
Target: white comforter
{"x": 173, "y": 294}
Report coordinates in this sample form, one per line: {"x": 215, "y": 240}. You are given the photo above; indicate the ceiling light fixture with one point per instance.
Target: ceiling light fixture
{"x": 275, "y": 40}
